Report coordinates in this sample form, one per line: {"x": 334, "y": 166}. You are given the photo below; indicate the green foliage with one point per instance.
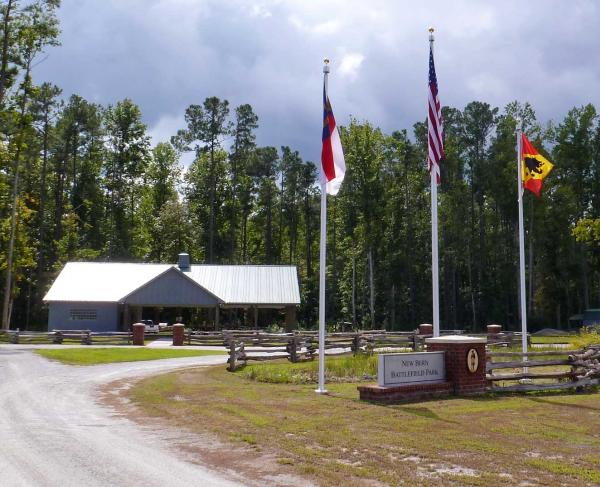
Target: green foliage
{"x": 588, "y": 230}
{"x": 91, "y": 188}
{"x": 342, "y": 369}
{"x": 94, "y": 356}
{"x": 587, "y": 336}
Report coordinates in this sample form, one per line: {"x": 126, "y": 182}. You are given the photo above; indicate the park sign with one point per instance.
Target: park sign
{"x": 395, "y": 369}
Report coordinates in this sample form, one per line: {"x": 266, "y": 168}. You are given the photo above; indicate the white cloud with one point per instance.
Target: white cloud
{"x": 328, "y": 27}
{"x": 260, "y": 11}
{"x": 351, "y": 64}
{"x": 168, "y": 54}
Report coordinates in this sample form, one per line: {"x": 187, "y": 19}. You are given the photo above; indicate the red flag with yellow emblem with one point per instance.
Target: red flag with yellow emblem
{"x": 534, "y": 167}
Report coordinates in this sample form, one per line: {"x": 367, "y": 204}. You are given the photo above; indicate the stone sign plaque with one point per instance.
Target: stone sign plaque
{"x": 411, "y": 368}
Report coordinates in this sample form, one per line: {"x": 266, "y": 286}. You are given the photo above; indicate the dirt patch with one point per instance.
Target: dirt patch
{"x": 250, "y": 465}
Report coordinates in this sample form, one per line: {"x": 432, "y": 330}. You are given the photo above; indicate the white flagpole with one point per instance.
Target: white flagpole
{"x": 521, "y": 245}
{"x": 322, "y": 258}
{"x": 434, "y": 239}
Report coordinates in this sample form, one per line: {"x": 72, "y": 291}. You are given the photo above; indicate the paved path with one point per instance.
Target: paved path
{"x": 54, "y": 433}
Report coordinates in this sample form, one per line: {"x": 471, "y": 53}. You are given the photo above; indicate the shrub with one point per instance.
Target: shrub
{"x": 587, "y": 336}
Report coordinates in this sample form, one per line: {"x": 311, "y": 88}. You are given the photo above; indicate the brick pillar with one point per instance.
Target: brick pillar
{"x": 138, "y": 333}
{"x": 425, "y": 329}
{"x": 458, "y": 350}
{"x": 178, "y": 334}
{"x": 494, "y": 329}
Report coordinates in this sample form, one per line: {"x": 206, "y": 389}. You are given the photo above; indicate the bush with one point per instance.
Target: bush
{"x": 587, "y": 336}
{"x": 337, "y": 369}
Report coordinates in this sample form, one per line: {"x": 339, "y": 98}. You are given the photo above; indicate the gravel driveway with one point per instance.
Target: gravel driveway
{"x": 54, "y": 433}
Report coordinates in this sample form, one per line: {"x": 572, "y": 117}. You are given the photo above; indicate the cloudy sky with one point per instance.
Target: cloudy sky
{"x": 168, "y": 54}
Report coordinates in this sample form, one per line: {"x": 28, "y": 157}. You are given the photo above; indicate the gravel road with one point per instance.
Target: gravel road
{"x": 54, "y": 433}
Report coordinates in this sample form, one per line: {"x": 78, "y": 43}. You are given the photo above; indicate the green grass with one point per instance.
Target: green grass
{"x": 347, "y": 368}
{"x": 567, "y": 469}
{"x": 336, "y": 439}
{"x": 553, "y": 339}
{"x": 93, "y": 356}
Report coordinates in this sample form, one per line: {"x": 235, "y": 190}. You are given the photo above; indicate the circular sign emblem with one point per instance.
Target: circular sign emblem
{"x": 472, "y": 360}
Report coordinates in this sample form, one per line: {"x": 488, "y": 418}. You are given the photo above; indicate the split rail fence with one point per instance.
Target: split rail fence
{"x": 83, "y": 337}
{"x": 543, "y": 370}
{"x": 301, "y": 346}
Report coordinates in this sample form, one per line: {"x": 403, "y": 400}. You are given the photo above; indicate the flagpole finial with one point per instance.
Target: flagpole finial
{"x": 431, "y": 31}
{"x": 326, "y": 65}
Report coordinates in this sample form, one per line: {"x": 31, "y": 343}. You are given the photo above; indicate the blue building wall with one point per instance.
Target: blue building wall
{"x": 591, "y": 317}
{"x": 171, "y": 289}
{"x": 83, "y": 316}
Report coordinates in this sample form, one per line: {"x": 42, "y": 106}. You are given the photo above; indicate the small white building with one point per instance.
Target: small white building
{"x": 104, "y": 296}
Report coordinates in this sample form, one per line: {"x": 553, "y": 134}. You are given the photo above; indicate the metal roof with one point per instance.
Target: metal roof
{"x": 232, "y": 284}
{"x": 249, "y": 284}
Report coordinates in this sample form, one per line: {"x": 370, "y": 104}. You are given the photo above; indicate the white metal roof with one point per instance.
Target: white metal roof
{"x": 233, "y": 284}
{"x": 101, "y": 281}
{"x": 249, "y": 284}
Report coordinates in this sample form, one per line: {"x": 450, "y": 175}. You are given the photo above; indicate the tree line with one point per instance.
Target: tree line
{"x": 81, "y": 181}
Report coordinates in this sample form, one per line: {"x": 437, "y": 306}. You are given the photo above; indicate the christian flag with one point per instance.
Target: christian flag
{"x": 534, "y": 167}
{"x": 333, "y": 166}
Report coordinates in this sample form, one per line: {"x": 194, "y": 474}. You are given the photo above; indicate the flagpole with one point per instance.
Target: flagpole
{"x": 322, "y": 257}
{"x": 434, "y": 238}
{"x": 521, "y": 245}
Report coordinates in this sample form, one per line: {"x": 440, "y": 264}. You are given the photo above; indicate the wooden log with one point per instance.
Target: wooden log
{"x": 529, "y": 375}
{"x": 545, "y": 387}
{"x": 292, "y": 349}
{"x": 519, "y": 364}
{"x": 529, "y": 354}
{"x": 232, "y": 357}
{"x": 257, "y": 358}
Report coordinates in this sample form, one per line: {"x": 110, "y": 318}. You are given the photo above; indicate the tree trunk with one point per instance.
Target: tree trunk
{"x": 211, "y": 218}
{"x": 280, "y": 245}
{"x": 353, "y": 288}
{"x": 584, "y": 277}
{"x": 7, "y": 305}
{"x": 11, "y": 244}
{"x": 371, "y": 288}
{"x": 41, "y": 264}
{"x": 5, "y": 54}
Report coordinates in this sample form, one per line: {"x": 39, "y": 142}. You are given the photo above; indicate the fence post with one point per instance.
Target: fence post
{"x": 356, "y": 343}
{"x": 178, "y": 334}
{"x": 58, "y": 338}
{"x": 227, "y": 338}
{"x": 138, "y": 333}
{"x": 86, "y": 338}
{"x": 14, "y": 338}
{"x": 292, "y": 350}
{"x": 232, "y": 356}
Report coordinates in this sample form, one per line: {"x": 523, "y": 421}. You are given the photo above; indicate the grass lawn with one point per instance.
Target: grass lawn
{"x": 335, "y": 439}
{"x": 553, "y": 339}
{"x": 93, "y": 356}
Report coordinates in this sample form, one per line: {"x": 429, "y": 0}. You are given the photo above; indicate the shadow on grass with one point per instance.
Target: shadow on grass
{"x": 424, "y": 412}
{"x": 563, "y": 404}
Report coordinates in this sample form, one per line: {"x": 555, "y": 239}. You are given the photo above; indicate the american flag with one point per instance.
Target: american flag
{"x": 434, "y": 122}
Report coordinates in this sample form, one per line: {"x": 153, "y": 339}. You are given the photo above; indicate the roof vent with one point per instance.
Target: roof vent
{"x": 184, "y": 262}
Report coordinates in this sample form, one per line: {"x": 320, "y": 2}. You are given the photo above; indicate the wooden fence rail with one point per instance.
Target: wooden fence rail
{"x": 576, "y": 369}
{"x": 302, "y": 346}
{"x": 84, "y": 337}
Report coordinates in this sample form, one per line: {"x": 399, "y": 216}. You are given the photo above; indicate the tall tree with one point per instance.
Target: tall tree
{"x": 38, "y": 29}
{"x": 127, "y": 158}
{"x": 244, "y": 143}
{"x": 206, "y": 127}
